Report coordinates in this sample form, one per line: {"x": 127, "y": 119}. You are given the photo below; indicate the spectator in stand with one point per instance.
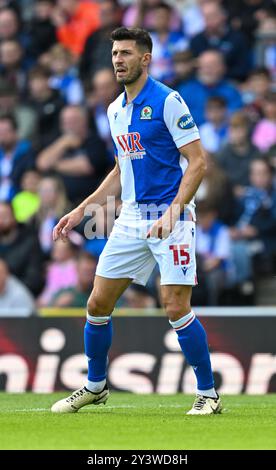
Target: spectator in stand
{"x": 254, "y": 232}
{"x": 53, "y": 205}
{"x": 254, "y": 91}
{"x": 47, "y": 104}
{"x": 265, "y": 45}
{"x": 141, "y": 15}
{"x": 209, "y": 82}
{"x": 235, "y": 158}
{"x": 61, "y": 271}
{"x": 64, "y": 77}
{"x": 78, "y": 155}
{"x": 24, "y": 115}
{"x": 104, "y": 90}
{"x": 16, "y": 156}
{"x": 244, "y": 15}
{"x": 165, "y": 44}
{"x": 214, "y": 132}
{"x": 15, "y": 298}
{"x": 214, "y": 251}
{"x": 10, "y": 29}
{"x": 264, "y": 135}
{"x": 13, "y": 68}
{"x": 26, "y": 203}
{"x": 97, "y": 50}
{"x": 184, "y": 67}
{"x": 75, "y": 21}
{"x": 9, "y": 24}
{"x": 13, "y": 4}
{"x": 78, "y": 296}
{"x": 41, "y": 28}
{"x": 216, "y": 191}
{"x": 220, "y": 36}
{"x": 19, "y": 247}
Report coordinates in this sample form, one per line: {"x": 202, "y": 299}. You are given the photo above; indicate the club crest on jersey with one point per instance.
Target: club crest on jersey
{"x": 146, "y": 112}
{"x": 131, "y": 145}
{"x": 185, "y": 122}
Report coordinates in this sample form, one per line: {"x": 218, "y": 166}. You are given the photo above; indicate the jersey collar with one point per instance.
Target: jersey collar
{"x": 142, "y": 95}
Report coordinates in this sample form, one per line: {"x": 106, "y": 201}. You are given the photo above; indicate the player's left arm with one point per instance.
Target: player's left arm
{"x": 190, "y": 182}
{"x": 194, "y": 173}
{"x": 184, "y": 132}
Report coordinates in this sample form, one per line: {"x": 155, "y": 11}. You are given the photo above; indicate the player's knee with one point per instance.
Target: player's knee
{"x": 175, "y": 309}
{"x": 98, "y": 306}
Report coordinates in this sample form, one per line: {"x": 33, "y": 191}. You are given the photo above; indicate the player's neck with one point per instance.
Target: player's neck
{"x": 133, "y": 89}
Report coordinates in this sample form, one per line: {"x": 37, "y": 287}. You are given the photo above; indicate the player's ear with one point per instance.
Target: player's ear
{"x": 146, "y": 59}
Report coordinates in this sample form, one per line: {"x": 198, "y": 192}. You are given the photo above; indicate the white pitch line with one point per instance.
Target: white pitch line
{"x": 105, "y": 407}
{"x": 24, "y": 410}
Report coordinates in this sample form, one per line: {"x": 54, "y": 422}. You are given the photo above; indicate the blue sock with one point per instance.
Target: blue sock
{"x": 193, "y": 342}
{"x": 97, "y": 341}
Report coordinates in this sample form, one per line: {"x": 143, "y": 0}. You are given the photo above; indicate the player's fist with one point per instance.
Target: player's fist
{"x": 66, "y": 223}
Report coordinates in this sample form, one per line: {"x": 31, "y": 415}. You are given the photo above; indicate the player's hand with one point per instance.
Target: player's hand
{"x": 164, "y": 226}
{"x": 67, "y": 223}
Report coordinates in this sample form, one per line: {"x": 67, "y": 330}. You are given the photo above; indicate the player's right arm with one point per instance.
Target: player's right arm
{"x": 111, "y": 186}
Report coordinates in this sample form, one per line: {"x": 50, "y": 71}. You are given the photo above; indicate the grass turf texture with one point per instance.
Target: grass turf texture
{"x": 131, "y": 421}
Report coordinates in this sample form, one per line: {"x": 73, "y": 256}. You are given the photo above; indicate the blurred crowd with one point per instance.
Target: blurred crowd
{"x": 56, "y": 83}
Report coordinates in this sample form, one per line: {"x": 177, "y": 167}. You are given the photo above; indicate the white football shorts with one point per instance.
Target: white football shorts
{"x": 129, "y": 254}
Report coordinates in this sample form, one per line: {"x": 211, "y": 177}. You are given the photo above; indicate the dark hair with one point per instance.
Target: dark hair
{"x": 39, "y": 71}
{"x": 260, "y": 71}
{"x": 164, "y": 6}
{"x": 217, "y": 101}
{"x": 9, "y": 117}
{"x": 140, "y": 36}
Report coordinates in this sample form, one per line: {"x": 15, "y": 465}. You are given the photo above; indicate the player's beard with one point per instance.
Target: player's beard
{"x": 133, "y": 77}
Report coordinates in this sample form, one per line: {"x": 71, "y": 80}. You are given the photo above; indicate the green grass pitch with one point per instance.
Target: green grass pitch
{"x": 145, "y": 422}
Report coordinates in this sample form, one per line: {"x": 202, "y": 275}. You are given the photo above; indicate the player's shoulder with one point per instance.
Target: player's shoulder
{"x": 167, "y": 95}
{"x": 161, "y": 91}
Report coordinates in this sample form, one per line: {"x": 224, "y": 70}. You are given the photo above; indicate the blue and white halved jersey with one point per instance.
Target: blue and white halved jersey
{"x": 147, "y": 134}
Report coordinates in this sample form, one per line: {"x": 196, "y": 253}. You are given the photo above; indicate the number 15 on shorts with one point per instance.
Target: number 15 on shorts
{"x": 181, "y": 254}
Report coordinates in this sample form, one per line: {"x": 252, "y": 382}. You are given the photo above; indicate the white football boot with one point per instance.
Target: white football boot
{"x": 80, "y": 398}
{"x": 206, "y": 406}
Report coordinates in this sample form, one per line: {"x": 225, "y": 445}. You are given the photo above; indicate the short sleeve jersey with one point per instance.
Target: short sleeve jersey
{"x": 147, "y": 134}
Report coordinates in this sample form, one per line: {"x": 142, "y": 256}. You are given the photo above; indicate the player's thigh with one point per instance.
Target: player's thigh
{"x": 176, "y": 300}
{"x": 126, "y": 258}
{"x": 105, "y": 294}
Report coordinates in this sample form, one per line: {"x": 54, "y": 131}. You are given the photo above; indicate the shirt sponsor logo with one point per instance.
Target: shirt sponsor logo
{"x": 146, "y": 112}
{"x": 185, "y": 122}
{"x": 131, "y": 145}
